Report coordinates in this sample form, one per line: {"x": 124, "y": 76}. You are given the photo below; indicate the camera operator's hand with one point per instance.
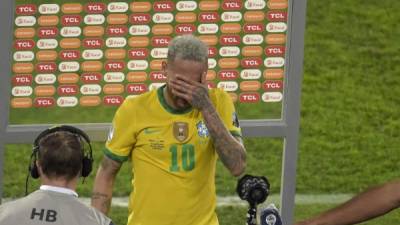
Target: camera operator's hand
{"x": 195, "y": 93}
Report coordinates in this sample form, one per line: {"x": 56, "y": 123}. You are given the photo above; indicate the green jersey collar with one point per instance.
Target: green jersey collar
{"x": 163, "y": 102}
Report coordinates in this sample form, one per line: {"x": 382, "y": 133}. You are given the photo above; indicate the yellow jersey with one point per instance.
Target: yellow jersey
{"x": 173, "y": 158}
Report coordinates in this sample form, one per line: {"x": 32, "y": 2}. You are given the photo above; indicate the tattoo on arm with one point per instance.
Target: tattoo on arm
{"x": 200, "y": 98}
{"x": 104, "y": 199}
{"x": 230, "y": 150}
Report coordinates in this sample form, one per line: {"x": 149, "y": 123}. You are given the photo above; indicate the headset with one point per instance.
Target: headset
{"x": 87, "y": 160}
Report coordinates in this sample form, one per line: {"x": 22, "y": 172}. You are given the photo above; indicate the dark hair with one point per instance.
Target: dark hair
{"x": 61, "y": 155}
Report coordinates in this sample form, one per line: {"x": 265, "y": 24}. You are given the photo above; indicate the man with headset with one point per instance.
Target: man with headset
{"x": 59, "y": 159}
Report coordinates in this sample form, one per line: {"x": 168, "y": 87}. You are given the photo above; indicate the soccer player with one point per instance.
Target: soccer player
{"x": 365, "y": 206}
{"x": 173, "y": 135}
{"x": 59, "y": 161}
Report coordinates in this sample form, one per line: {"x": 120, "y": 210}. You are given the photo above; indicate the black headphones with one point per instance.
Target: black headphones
{"x": 87, "y": 160}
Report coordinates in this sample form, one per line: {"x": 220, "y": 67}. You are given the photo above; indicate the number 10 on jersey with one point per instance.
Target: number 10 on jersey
{"x": 187, "y": 156}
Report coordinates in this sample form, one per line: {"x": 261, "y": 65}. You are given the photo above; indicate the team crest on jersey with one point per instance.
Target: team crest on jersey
{"x": 202, "y": 129}
{"x": 181, "y": 131}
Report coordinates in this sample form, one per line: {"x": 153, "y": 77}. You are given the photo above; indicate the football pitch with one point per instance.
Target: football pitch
{"x": 350, "y": 117}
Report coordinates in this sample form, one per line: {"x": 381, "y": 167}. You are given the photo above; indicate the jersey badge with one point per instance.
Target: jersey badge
{"x": 181, "y": 131}
{"x": 202, "y": 129}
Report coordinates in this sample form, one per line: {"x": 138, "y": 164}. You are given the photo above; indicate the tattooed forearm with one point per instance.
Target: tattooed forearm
{"x": 230, "y": 150}
{"x": 200, "y": 98}
{"x": 101, "y": 200}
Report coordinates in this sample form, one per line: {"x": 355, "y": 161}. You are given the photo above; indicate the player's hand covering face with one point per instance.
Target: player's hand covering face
{"x": 186, "y": 83}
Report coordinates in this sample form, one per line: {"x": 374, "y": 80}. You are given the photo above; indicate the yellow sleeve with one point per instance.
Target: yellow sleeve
{"x": 122, "y": 135}
{"x": 226, "y": 111}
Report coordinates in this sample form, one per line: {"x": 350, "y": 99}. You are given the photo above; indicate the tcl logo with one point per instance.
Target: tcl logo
{"x": 157, "y": 76}
{"x": 212, "y": 51}
{"x": 185, "y": 28}
{"x": 253, "y": 28}
{"x": 71, "y": 20}
{"x": 24, "y": 44}
{"x": 138, "y": 53}
{"x": 230, "y": 39}
{"x": 251, "y": 62}
{"x": 22, "y": 80}
{"x": 117, "y": 30}
{"x": 136, "y": 88}
{"x": 44, "y": 102}
{"x": 93, "y": 43}
{"x": 276, "y": 16}
{"x": 163, "y": 6}
{"x": 70, "y": 54}
{"x": 228, "y": 74}
{"x": 160, "y": 41}
{"x": 67, "y": 90}
{"x": 269, "y": 85}
{"x": 46, "y": 67}
{"x": 114, "y": 66}
{"x": 249, "y": 97}
{"x": 91, "y": 78}
{"x": 232, "y": 5}
{"x": 140, "y": 18}
{"x": 113, "y": 100}
{"x": 208, "y": 17}
{"x": 47, "y": 32}
{"x": 275, "y": 51}
{"x": 26, "y": 9}
{"x": 95, "y": 7}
